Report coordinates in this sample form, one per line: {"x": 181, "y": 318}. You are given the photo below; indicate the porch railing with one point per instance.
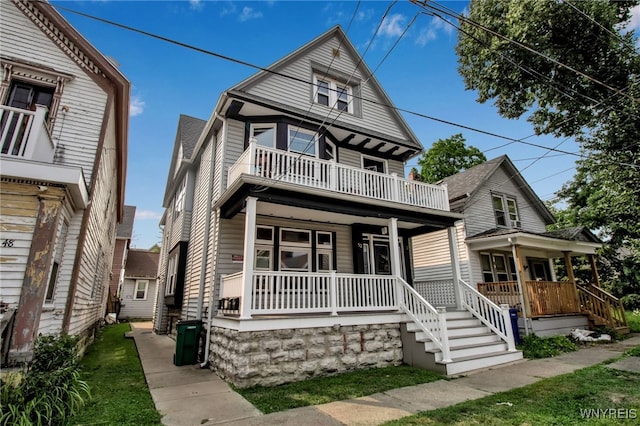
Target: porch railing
{"x": 299, "y": 169}
{"x": 296, "y": 293}
{"x": 603, "y": 306}
{"x": 544, "y": 297}
{"x": 490, "y": 314}
{"x": 24, "y": 134}
{"x": 430, "y": 320}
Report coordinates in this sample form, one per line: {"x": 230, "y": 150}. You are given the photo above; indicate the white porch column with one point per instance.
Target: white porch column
{"x": 394, "y": 253}
{"x": 455, "y": 264}
{"x": 248, "y": 259}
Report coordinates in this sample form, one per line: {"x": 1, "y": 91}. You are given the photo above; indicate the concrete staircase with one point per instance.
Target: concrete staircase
{"x": 472, "y": 345}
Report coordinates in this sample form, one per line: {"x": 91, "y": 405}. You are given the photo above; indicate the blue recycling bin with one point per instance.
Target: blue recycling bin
{"x": 513, "y": 314}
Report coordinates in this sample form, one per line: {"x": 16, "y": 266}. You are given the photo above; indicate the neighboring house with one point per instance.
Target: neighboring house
{"x": 138, "y": 290}
{"x": 124, "y": 233}
{"x": 288, "y": 225}
{"x": 507, "y": 253}
{"x": 63, "y": 138}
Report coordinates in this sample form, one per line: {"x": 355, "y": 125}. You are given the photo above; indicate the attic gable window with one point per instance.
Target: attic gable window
{"x": 506, "y": 211}
{"x": 333, "y": 94}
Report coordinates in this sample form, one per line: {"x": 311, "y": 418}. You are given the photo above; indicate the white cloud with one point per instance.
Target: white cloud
{"x": 248, "y": 13}
{"x": 392, "y": 25}
{"x": 196, "y": 4}
{"x": 136, "y": 106}
{"x": 228, "y": 9}
{"x": 634, "y": 22}
{"x": 430, "y": 33}
{"x": 148, "y": 215}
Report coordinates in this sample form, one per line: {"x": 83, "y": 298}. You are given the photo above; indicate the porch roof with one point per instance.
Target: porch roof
{"x": 577, "y": 241}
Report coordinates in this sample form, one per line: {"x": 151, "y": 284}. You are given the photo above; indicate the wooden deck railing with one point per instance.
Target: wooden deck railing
{"x": 291, "y": 167}
{"x": 545, "y": 297}
{"x": 603, "y": 306}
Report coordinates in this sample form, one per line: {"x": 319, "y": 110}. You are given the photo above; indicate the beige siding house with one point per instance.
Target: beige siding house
{"x": 508, "y": 255}
{"x": 288, "y": 228}
{"x": 60, "y": 197}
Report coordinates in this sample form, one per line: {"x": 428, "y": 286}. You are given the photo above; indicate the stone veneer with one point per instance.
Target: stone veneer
{"x": 273, "y": 357}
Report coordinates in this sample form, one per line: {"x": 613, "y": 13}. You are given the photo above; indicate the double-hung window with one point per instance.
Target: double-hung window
{"x": 295, "y": 250}
{"x": 180, "y": 198}
{"x": 264, "y": 134}
{"x": 140, "y": 292}
{"x": 264, "y": 248}
{"x": 324, "y": 251}
{"x": 172, "y": 271}
{"x": 506, "y": 211}
{"x": 333, "y": 94}
{"x": 303, "y": 141}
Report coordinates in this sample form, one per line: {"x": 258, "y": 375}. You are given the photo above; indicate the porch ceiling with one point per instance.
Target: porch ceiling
{"x": 554, "y": 247}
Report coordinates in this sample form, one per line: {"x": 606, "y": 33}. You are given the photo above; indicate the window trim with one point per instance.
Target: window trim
{"x": 293, "y": 243}
{"x": 507, "y": 216}
{"x": 509, "y": 261}
{"x": 180, "y": 199}
{"x": 308, "y": 132}
{"x": 172, "y": 275}
{"x": 136, "y": 289}
{"x": 334, "y": 87}
{"x": 272, "y": 126}
{"x": 371, "y": 157}
{"x": 295, "y": 249}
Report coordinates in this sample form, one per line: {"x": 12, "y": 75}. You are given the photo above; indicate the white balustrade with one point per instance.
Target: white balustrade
{"x": 493, "y": 316}
{"x": 296, "y": 168}
{"x": 23, "y": 134}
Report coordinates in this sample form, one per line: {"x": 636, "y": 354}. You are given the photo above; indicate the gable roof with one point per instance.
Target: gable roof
{"x": 463, "y": 186}
{"x": 410, "y": 140}
{"x": 187, "y": 134}
{"x": 124, "y": 230}
{"x": 142, "y": 264}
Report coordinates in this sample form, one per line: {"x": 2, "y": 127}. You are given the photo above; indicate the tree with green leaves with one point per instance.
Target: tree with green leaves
{"x": 573, "y": 69}
{"x": 447, "y": 157}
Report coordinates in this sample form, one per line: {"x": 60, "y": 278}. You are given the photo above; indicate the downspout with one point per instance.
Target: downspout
{"x": 207, "y": 342}
{"x": 520, "y": 289}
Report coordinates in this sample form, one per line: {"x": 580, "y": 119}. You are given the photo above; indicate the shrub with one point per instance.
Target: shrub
{"x": 48, "y": 390}
{"x": 544, "y": 347}
{"x": 631, "y": 301}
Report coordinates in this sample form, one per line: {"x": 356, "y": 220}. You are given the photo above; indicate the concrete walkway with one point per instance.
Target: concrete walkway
{"x": 189, "y": 395}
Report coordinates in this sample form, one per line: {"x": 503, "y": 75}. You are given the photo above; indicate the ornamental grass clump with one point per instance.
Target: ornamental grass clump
{"x": 48, "y": 390}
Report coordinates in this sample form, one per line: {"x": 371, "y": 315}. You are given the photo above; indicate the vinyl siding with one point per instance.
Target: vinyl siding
{"x": 479, "y": 209}
{"x": 78, "y": 130}
{"x": 432, "y": 256}
{"x": 300, "y": 94}
{"x": 131, "y": 308}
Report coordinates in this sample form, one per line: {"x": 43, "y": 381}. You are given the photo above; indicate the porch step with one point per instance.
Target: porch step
{"x": 472, "y": 346}
{"x": 476, "y": 362}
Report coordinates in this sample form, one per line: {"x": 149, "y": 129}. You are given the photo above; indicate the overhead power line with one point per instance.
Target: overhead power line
{"x": 311, "y": 83}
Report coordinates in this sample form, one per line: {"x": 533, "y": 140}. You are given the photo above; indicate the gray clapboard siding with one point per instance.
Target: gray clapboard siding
{"x": 298, "y": 94}
{"x": 432, "y": 256}
{"x": 131, "y": 308}
{"x": 479, "y": 209}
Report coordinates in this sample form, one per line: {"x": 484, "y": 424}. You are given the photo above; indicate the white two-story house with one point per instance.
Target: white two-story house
{"x": 288, "y": 228}
{"x": 507, "y": 253}
{"x": 63, "y": 154}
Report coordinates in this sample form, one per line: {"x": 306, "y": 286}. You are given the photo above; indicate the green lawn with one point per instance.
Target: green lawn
{"x": 633, "y": 319}
{"x": 120, "y": 395}
{"x": 561, "y": 400}
{"x": 335, "y": 388}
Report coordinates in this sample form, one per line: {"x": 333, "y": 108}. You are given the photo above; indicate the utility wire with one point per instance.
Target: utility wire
{"x": 301, "y": 80}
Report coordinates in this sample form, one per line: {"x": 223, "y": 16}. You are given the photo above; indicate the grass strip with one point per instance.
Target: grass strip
{"x": 633, "y": 320}
{"x": 119, "y": 392}
{"x": 595, "y": 395}
{"x": 335, "y": 388}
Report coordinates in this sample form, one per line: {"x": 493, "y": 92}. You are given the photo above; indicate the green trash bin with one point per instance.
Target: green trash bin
{"x": 187, "y": 340}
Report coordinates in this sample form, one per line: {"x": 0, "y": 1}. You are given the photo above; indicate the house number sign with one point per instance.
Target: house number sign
{"x": 7, "y": 243}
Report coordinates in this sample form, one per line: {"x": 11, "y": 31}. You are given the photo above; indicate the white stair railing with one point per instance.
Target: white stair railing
{"x": 493, "y": 316}
{"x": 430, "y": 320}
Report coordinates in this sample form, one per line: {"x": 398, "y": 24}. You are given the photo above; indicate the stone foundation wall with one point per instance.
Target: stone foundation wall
{"x": 273, "y": 357}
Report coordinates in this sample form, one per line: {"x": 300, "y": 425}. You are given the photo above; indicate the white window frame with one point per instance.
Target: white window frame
{"x": 136, "y": 289}
{"x": 271, "y": 228}
{"x": 327, "y": 252}
{"x": 380, "y": 160}
{"x": 181, "y": 195}
{"x": 332, "y": 92}
{"x": 269, "y": 249}
{"x": 333, "y": 155}
{"x": 512, "y": 220}
{"x": 172, "y": 272}
{"x": 295, "y": 244}
{"x": 299, "y": 130}
{"x": 293, "y": 248}
{"x": 271, "y": 126}
{"x": 56, "y": 264}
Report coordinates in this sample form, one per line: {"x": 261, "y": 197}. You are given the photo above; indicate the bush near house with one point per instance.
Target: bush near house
{"x": 631, "y": 301}
{"x": 545, "y": 347}
{"x": 48, "y": 390}
{"x": 633, "y": 320}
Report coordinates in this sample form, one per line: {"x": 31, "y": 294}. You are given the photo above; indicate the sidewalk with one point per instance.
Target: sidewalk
{"x": 189, "y": 395}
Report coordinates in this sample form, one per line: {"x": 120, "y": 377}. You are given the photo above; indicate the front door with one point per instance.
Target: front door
{"x": 376, "y": 255}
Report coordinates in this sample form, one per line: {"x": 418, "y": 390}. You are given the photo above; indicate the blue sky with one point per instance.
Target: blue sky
{"x": 419, "y": 75}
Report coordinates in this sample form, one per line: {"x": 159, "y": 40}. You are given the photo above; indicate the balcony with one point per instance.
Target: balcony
{"x": 24, "y": 134}
{"x": 274, "y": 165}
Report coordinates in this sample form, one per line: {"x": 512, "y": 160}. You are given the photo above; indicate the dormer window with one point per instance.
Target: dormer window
{"x": 506, "y": 211}
{"x": 333, "y": 94}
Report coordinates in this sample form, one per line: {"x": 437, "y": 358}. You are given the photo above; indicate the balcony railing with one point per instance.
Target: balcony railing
{"x": 290, "y": 167}
{"x": 23, "y": 134}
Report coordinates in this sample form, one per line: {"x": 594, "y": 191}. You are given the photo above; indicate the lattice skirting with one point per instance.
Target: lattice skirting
{"x": 438, "y": 293}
